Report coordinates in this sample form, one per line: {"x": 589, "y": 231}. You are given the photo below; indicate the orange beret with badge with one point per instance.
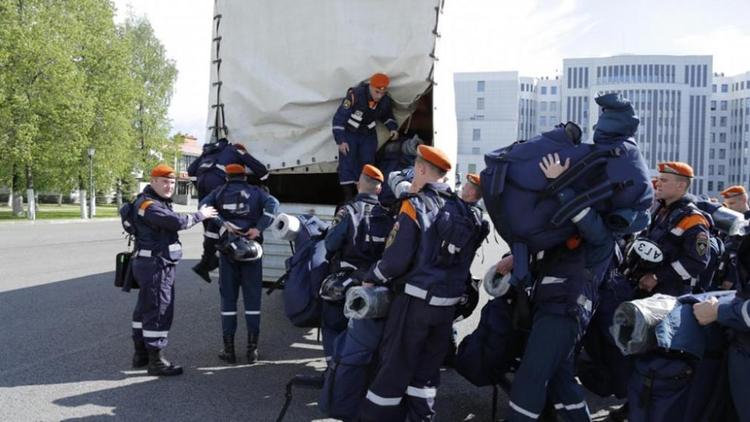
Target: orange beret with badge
{"x": 733, "y": 191}
{"x": 235, "y": 169}
{"x": 380, "y": 81}
{"x": 163, "y": 170}
{"x": 434, "y": 156}
{"x": 373, "y": 172}
{"x": 676, "y": 167}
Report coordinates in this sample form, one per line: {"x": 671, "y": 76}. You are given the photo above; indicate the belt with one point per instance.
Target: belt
{"x": 421, "y": 293}
{"x": 146, "y": 253}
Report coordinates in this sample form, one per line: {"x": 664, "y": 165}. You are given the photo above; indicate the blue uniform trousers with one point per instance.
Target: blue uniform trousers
{"x": 415, "y": 343}
{"x": 547, "y": 368}
{"x": 739, "y": 381}
{"x": 362, "y": 150}
{"x": 333, "y": 323}
{"x": 152, "y": 317}
{"x": 232, "y": 276}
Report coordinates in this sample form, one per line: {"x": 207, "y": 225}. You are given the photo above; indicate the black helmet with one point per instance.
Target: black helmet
{"x": 240, "y": 248}
{"x": 334, "y": 286}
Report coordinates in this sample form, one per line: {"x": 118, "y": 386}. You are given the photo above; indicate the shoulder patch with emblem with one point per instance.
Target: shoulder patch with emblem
{"x": 701, "y": 244}
{"x": 347, "y": 104}
{"x": 392, "y": 235}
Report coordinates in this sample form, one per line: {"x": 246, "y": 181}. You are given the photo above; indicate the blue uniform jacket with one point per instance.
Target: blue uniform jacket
{"x": 682, "y": 233}
{"x": 208, "y": 169}
{"x": 243, "y": 206}
{"x": 156, "y": 227}
{"x": 358, "y": 113}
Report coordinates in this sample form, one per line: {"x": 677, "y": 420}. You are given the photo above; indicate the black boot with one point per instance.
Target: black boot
{"x": 157, "y": 365}
{"x": 252, "y": 348}
{"x": 140, "y": 357}
{"x": 227, "y": 355}
{"x": 202, "y": 271}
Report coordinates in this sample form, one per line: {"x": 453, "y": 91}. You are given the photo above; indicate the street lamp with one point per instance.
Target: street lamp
{"x": 92, "y": 203}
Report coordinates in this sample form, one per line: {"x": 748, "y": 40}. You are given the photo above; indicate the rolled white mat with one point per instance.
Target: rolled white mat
{"x": 285, "y": 227}
{"x": 367, "y": 302}
{"x": 495, "y": 284}
{"x": 634, "y": 321}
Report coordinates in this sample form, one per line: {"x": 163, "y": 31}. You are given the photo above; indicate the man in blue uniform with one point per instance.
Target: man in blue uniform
{"x": 471, "y": 191}
{"x": 354, "y": 128}
{"x": 355, "y": 242}
{"x": 208, "y": 171}
{"x": 735, "y": 198}
{"x": 680, "y": 230}
{"x": 565, "y": 281}
{"x": 736, "y": 317}
{"x": 244, "y": 210}
{"x": 157, "y": 251}
{"x": 426, "y": 261}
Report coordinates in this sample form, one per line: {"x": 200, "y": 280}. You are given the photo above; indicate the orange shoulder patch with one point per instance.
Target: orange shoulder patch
{"x": 145, "y": 204}
{"x": 692, "y": 221}
{"x": 408, "y": 209}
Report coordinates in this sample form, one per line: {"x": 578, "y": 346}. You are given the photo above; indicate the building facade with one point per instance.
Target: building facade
{"x": 687, "y": 113}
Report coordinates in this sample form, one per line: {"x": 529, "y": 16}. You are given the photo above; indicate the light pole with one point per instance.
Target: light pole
{"x": 92, "y": 203}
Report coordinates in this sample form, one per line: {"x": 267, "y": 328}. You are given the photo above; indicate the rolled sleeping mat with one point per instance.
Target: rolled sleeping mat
{"x": 400, "y": 181}
{"x": 496, "y": 284}
{"x": 367, "y": 302}
{"x": 634, "y": 321}
{"x": 285, "y": 227}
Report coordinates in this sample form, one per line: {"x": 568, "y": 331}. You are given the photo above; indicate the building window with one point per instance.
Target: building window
{"x": 543, "y": 106}
{"x": 472, "y": 168}
{"x": 713, "y": 105}
{"x": 724, "y": 88}
{"x": 723, "y": 106}
{"x": 710, "y": 169}
{"x": 480, "y": 86}
{"x": 476, "y": 135}
{"x": 480, "y": 103}
{"x": 711, "y": 154}
{"x": 713, "y": 121}
{"x": 710, "y": 185}
{"x": 722, "y": 137}
{"x": 722, "y": 154}
{"x": 723, "y": 121}
{"x": 543, "y": 121}
{"x": 553, "y": 106}
{"x": 722, "y": 170}
{"x": 713, "y": 88}
{"x": 475, "y": 151}
{"x": 553, "y": 90}
{"x": 544, "y": 90}
{"x": 721, "y": 186}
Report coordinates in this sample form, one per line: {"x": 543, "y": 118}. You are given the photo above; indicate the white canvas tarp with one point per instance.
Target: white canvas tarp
{"x": 285, "y": 66}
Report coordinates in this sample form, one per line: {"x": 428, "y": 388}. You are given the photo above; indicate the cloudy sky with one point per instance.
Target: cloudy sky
{"x": 531, "y": 36}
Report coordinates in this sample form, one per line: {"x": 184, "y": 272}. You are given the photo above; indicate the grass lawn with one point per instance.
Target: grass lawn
{"x": 65, "y": 211}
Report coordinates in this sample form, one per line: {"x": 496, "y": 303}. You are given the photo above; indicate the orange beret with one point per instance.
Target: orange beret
{"x": 235, "y": 169}
{"x": 240, "y": 146}
{"x": 473, "y": 178}
{"x": 733, "y": 191}
{"x": 373, "y": 172}
{"x": 163, "y": 170}
{"x": 434, "y": 156}
{"x": 676, "y": 167}
{"x": 380, "y": 81}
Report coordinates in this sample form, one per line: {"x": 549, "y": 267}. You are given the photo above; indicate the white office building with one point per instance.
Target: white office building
{"x": 729, "y": 132}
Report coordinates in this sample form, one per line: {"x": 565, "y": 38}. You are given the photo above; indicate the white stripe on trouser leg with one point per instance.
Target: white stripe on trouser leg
{"x": 252, "y": 312}
{"x": 154, "y": 334}
{"x": 523, "y": 411}
{"x": 228, "y": 313}
{"x": 383, "y": 401}
{"x": 136, "y": 325}
{"x": 745, "y": 315}
{"x": 422, "y": 392}
{"x": 581, "y": 405}
{"x": 211, "y": 235}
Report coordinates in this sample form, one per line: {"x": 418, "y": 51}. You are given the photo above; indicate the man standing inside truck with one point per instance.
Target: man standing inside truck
{"x": 354, "y": 128}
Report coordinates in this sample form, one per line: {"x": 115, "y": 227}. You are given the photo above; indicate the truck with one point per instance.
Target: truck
{"x": 280, "y": 69}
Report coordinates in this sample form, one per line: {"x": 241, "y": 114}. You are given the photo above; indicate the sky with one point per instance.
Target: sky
{"x": 530, "y": 36}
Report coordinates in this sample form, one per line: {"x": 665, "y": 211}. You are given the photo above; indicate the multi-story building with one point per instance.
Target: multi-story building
{"x": 670, "y": 94}
{"x": 686, "y": 113}
{"x": 729, "y": 132}
{"x": 487, "y": 110}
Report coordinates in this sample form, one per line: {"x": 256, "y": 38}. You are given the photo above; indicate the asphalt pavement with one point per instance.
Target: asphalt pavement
{"x": 65, "y": 344}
